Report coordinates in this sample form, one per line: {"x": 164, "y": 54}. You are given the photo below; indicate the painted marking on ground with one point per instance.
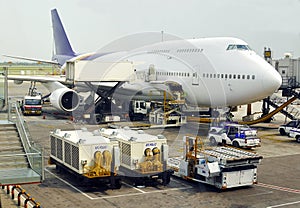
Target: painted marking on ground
{"x": 295, "y": 191}
{"x": 141, "y": 192}
{"x": 285, "y": 204}
{"x": 84, "y": 194}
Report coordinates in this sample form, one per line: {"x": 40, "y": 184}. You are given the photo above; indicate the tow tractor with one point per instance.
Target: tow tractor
{"x": 220, "y": 166}
{"x": 233, "y": 134}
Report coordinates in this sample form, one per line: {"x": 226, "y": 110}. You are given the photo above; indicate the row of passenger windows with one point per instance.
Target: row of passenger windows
{"x": 182, "y": 50}
{"x": 208, "y": 75}
{"x": 197, "y": 50}
{"x": 178, "y": 74}
{"x": 189, "y": 50}
{"x": 161, "y": 51}
{"x": 228, "y": 76}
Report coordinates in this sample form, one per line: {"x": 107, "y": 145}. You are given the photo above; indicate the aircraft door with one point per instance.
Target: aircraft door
{"x": 152, "y": 73}
{"x": 195, "y": 80}
{"x": 283, "y": 71}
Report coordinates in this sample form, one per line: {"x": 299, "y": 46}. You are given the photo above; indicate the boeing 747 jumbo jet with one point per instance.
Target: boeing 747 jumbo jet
{"x": 212, "y": 72}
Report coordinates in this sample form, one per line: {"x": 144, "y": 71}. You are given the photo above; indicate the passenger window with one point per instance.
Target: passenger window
{"x": 253, "y": 76}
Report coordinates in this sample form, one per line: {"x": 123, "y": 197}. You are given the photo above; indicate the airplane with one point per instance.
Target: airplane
{"x": 212, "y": 72}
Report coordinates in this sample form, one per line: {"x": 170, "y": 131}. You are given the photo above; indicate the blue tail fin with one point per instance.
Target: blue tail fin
{"x": 62, "y": 44}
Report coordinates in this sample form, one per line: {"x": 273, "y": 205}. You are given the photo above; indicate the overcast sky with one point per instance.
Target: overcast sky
{"x": 91, "y": 24}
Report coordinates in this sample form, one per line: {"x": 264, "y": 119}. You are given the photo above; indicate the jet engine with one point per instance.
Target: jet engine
{"x": 65, "y": 99}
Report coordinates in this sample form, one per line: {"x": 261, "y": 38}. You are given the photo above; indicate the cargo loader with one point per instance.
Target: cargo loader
{"x": 220, "y": 166}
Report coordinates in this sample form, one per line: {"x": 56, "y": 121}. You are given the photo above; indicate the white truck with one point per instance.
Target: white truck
{"x": 295, "y": 133}
{"x": 222, "y": 167}
{"x": 138, "y": 109}
{"x": 110, "y": 155}
{"x": 236, "y": 135}
{"x": 32, "y": 104}
{"x": 284, "y": 129}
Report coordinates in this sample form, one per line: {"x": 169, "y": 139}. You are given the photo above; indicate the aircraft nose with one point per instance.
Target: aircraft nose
{"x": 271, "y": 80}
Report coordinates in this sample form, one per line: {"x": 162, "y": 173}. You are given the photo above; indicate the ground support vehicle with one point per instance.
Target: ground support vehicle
{"x": 32, "y": 105}
{"x": 284, "y": 129}
{"x": 236, "y": 135}
{"x": 87, "y": 155}
{"x": 295, "y": 133}
{"x": 222, "y": 167}
{"x": 143, "y": 157}
{"x": 138, "y": 109}
{"x": 171, "y": 118}
{"x": 110, "y": 155}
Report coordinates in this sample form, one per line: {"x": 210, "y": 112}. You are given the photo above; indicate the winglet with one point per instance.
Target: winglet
{"x": 62, "y": 44}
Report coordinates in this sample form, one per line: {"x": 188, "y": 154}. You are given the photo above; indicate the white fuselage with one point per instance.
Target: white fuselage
{"x": 212, "y": 71}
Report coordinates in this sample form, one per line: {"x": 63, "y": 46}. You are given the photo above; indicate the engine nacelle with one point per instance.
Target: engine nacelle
{"x": 65, "y": 99}
{"x": 18, "y": 82}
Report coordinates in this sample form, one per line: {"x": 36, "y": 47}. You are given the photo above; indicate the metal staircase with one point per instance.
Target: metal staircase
{"x": 11, "y": 149}
{"x": 20, "y": 161}
{"x": 289, "y": 111}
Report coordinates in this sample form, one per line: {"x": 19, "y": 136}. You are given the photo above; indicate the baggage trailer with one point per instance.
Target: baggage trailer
{"x": 220, "y": 166}
{"x": 87, "y": 155}
{"x": 143, "y": 157}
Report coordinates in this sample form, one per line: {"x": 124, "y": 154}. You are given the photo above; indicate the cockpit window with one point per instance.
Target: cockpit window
{"x": 238, "y": 47}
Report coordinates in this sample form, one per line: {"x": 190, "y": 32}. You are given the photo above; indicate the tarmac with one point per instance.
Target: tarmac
{"x": 278, "y": 174}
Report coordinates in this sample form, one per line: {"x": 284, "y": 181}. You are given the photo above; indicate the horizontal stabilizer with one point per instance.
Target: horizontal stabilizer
{"x": 33, "y": 59}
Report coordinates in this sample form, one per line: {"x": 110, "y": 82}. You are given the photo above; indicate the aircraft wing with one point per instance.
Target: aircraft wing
{"x": 33, "y": 59}
{"x": 42, "y": 79}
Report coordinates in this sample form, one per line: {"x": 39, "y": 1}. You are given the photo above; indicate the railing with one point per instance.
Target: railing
{"x": 33, "y": 152}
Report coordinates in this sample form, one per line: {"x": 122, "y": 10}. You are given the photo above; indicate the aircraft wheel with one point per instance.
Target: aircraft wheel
{"x": 298, "y": 139}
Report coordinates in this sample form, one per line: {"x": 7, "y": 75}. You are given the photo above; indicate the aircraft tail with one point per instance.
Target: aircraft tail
{"x": 61, "y": 41}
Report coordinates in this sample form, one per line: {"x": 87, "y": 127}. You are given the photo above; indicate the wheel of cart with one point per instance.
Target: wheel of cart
{"x": 166, "y": 177}
{"x": 115, "y": 183}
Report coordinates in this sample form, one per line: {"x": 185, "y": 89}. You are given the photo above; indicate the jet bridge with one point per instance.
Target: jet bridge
{"x": 95, "y": 71}
{"x": 91, "y": 76}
